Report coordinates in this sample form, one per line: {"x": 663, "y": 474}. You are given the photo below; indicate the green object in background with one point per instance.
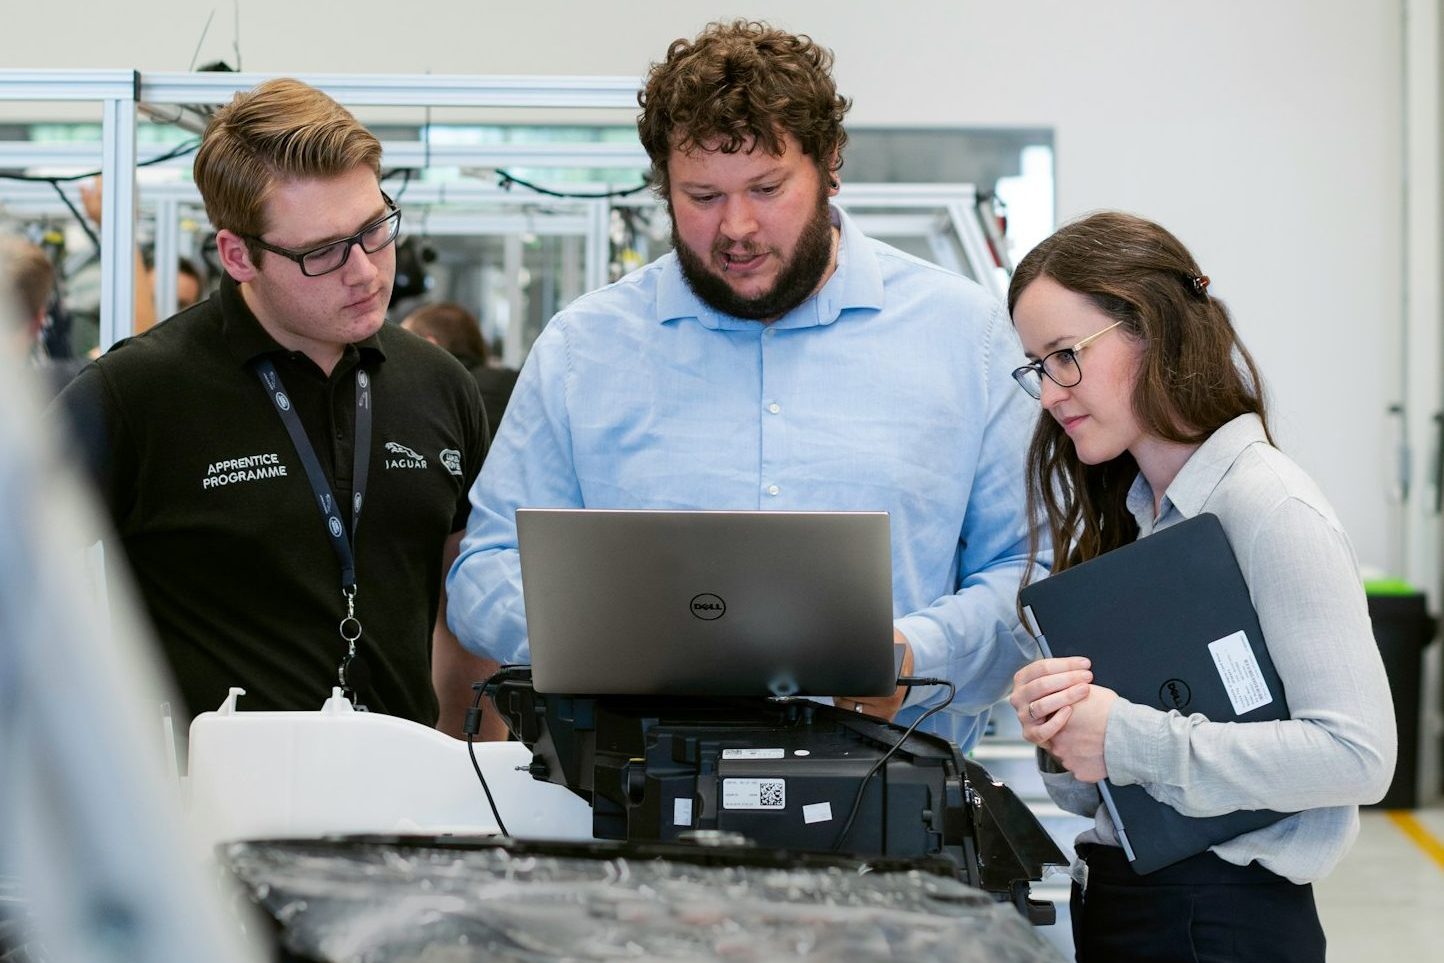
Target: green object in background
{"x": 1388, "y": 586}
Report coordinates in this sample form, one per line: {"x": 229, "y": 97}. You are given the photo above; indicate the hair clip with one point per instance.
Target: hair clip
{"x": 1200, "y": 284}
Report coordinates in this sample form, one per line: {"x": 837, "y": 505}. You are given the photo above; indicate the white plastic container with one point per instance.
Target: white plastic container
{"x": 257, "y": 775}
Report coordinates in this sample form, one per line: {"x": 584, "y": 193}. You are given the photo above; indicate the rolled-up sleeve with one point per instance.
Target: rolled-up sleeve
{"x": 529, "y": 465}
{"x": 973, "y": 637}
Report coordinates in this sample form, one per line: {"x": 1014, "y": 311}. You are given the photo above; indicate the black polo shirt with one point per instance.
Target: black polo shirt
{"x": 219, "y": 523}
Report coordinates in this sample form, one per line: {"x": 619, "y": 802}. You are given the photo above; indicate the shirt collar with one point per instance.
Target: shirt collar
{"x": 1200, "y": 475}
{"x": 246, "y": 340}
{"x": 855, "y": 284}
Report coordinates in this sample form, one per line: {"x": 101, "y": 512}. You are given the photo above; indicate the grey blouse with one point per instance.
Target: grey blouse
{"x": 1337, "y": 750}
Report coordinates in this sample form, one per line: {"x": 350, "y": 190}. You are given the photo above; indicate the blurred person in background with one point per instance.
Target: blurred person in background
{"x": 27, "y": 284}
{"x": 97, "y": 861}
{"x": 456, "y": 329}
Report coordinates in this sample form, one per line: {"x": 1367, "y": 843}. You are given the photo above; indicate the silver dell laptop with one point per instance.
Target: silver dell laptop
{"x": 719, "y": 603}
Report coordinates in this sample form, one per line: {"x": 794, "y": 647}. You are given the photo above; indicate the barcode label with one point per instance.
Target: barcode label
{"x": 753, "y": 754}
{"x": 754, "y": 794}
{"x": 1238, "y": 668}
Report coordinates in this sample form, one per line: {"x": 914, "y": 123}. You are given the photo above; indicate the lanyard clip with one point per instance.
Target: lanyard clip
{"x": 350, "y": 627}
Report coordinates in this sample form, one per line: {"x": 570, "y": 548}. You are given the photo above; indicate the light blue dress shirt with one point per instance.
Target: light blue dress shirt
{"x": 888, "y": 390}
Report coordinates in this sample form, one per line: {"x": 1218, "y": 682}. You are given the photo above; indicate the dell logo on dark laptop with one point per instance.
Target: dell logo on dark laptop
{"x": 1174, "y": 694}
{"x": 708, "y": 607}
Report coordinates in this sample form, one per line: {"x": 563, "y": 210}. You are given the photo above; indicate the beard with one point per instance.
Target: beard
{"x": 796, "y": 281}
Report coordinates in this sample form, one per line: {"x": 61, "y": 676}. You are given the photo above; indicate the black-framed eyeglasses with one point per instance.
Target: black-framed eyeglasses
{"x": 1060, "y": 366}
{"x": 332, "y": 255}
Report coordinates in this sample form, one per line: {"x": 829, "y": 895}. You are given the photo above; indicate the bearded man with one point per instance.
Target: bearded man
{"x": 776, "y": 359}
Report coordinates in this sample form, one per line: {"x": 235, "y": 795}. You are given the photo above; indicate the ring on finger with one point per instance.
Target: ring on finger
{"x": 1031, "y": 715}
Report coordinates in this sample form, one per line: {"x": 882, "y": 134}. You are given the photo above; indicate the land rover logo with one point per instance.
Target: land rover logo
{"x": 1174, "y": 694}
{"x": 707, "y": 606}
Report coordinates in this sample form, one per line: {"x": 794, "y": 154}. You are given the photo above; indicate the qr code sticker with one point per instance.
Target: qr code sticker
{"x": 770, "y": 794}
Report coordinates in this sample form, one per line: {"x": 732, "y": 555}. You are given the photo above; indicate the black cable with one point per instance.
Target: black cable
{"x": 204, "y": 31}
{"x": 55, "y": 182}
{"x": 180, "y": 150}
{"x": 471, "y": 726}
{"x": 862, "y": 787}
{"x": 506, "y": 180}
{"x": 80, "y": 218}
{"x": 236, "y": 34}
{"x": 405, "y": 173}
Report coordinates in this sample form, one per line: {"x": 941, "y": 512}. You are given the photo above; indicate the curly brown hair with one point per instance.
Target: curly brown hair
{"x": 739, "y": 85}
{"x": 1195, "y": 375}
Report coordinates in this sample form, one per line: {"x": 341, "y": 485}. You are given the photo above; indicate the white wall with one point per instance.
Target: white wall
{"x": 1266, "y": 135}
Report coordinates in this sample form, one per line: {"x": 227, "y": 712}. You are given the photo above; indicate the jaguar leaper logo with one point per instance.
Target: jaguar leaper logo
{"x": 403, "y": 457}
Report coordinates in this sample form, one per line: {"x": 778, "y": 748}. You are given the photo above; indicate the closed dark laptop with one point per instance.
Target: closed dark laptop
{"x": 1167, "y": 622}
{"x": 707, "y": 603}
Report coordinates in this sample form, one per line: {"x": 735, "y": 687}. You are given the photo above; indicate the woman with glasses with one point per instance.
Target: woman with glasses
{"x": 1153, "y": 412}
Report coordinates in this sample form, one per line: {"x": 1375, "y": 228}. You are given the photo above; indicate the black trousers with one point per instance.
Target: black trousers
{"x": 1202, "y": 910}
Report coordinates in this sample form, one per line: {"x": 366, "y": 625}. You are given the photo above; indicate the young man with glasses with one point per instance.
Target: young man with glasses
{"x": 287, "y": 473}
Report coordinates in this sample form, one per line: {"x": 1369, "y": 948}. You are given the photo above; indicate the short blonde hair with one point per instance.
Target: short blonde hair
{"x": 27, "y": 278}
{"x": 281, "y": 130}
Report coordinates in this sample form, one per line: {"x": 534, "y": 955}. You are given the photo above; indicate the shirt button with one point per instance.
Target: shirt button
{"x": 774, "y": 407}
{"x": 773, "y": 490}
{"x": 768, "y": 332}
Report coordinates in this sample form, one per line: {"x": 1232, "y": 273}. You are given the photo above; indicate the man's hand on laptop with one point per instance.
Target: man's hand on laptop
{"x": 884, "y": 707}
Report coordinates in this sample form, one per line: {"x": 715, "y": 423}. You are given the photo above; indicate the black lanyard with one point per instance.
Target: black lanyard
{"x": 350, "y": 627}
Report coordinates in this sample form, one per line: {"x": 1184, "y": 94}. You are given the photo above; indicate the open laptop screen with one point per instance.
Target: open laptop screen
{"x": 722, "y": 603}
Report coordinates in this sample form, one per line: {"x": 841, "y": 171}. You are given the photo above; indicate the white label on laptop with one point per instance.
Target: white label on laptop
{"x": 1240, "y": 673}
{"x": 753, "y": 753}
{"x": 817, "y": 813}
{"x": 682, "y": 811}
{"x": 754, "y": 794}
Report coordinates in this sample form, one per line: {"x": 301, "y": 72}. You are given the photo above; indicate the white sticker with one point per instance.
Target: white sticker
{"x": 754, "y": 794}
{"x": 1240, "y": 673}
{"x": 752, "y": 753}
{"x": 682, "y": 811}
{"x": 817, "y": 813}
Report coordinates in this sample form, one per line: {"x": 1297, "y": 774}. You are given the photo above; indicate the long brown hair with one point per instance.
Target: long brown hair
{"x": 1194, "y": 375}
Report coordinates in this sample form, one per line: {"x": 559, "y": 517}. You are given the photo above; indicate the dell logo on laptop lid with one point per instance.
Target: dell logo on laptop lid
{"x": 708, "y": 607}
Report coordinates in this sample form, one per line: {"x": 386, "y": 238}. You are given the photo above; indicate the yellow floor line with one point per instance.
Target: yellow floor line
{"x": 1421, "y": 837}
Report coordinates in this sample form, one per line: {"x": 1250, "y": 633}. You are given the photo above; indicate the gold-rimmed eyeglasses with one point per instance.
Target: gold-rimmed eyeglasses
{"x": 1060, "y": 366}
